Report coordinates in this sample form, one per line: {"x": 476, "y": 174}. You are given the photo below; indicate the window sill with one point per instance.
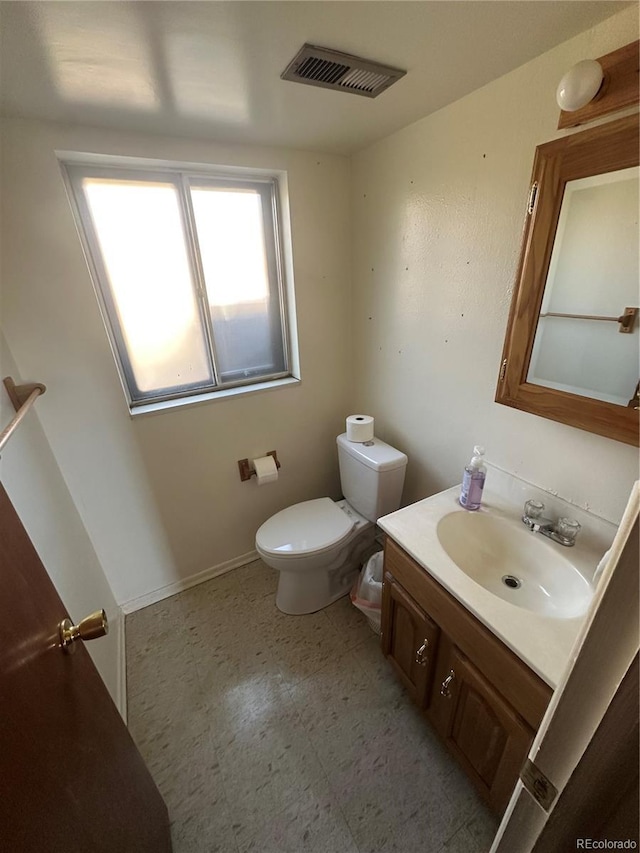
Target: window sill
{"x": 212, "y": 396}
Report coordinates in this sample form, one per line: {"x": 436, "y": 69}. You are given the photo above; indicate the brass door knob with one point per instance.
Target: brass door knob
{"x": 92, "y": 626}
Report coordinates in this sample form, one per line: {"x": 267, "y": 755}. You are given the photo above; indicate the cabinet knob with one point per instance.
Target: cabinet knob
{"x": 421, "y": 654}
{"x": 444, "y": 689}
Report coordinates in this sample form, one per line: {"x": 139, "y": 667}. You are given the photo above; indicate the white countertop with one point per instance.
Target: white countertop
{"x": 541, "y": 641}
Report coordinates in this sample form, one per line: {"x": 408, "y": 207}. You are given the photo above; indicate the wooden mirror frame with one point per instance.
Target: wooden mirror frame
{"x": 606, "y": 148}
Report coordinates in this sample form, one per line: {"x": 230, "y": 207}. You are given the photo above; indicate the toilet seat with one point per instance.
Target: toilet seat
{"x": 310, "y": 527}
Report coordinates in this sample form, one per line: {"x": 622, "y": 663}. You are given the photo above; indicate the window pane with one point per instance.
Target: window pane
{"x": 140, "y": 236}
{"x": 244, "y": 302}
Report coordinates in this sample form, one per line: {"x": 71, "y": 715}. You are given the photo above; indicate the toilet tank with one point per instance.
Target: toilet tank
{"x": 372, "y": 476}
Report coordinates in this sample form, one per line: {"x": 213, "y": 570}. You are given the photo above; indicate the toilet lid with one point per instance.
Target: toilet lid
{"x": 304, "y": 528}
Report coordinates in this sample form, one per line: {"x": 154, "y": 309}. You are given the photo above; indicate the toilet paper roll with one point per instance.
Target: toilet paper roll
{"x": 266, "y": 470}
{"x": 359, "y": 428}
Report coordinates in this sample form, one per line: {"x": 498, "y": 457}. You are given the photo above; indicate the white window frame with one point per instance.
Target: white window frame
{"x": 267, "y": 184}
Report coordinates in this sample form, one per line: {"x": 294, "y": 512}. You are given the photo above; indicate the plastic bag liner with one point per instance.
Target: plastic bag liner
{"x": 366, "y": 593}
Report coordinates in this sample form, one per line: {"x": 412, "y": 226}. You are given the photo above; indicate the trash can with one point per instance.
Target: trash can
{"x": 366, "y": 594}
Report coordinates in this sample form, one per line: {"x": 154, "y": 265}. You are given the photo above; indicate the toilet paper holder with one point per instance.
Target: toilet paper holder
{"x": 247, "y": 472}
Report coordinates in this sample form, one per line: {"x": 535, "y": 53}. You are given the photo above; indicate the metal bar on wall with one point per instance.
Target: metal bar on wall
{"x": 23, "y": 397}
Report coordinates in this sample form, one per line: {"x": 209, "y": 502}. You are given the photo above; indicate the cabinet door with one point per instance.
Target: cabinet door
{"x": 409, "y": 639}
{"x": 483, "y": 731}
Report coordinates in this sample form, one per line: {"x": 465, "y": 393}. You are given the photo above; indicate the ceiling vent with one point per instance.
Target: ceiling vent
{"x": 331, "y": 69}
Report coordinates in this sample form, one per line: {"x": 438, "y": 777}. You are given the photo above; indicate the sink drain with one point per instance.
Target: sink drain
{"x": 511, "y": 581}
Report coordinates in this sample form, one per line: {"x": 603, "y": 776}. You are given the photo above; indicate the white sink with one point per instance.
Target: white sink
{"x": 468, "y": 553}
{"x": 515, "y": 564}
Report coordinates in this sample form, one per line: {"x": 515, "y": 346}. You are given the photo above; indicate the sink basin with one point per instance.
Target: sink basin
{"x": 514, "y": 564}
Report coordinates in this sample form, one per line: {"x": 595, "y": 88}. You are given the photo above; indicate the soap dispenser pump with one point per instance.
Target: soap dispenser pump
{"x": 473, "y": 480}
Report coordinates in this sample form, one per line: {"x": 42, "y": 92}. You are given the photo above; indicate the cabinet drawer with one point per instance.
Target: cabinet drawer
{"x": 409, "y": 640}
{"x": 520, "y": 686}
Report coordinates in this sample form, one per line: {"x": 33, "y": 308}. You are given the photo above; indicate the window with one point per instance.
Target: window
{"x": 189, "y": 275}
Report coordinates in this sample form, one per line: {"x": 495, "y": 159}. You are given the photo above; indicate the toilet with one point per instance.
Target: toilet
{"x": 318, "y": 546}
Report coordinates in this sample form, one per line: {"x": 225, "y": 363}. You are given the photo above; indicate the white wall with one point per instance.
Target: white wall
{"x": 37, "y": 490}
{"x": 438, "y": 210}
{"x": 160, "y": 495}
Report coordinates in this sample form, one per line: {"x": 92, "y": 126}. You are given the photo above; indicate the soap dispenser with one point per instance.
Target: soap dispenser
{"x": 473, "y": 480}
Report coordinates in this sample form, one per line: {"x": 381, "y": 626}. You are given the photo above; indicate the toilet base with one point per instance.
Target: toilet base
{"x": 301, "y": 592}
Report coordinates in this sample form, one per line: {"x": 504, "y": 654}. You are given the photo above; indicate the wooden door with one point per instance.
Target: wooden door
{"x": 479, "y": 726}
{"x": 409, "y": 640}
{"x": 72, "y": 778}
{"x": 607, "y": 775}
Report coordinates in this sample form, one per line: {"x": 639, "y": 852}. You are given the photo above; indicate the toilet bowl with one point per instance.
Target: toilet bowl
{"x": 318, "y": 546}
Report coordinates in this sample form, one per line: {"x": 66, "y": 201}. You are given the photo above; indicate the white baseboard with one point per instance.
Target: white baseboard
{"x": 186, "y": 583}
{"x": 121, "y": 650}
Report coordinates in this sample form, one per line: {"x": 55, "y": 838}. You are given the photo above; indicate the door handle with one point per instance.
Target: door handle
{"x": 421, "y": 653}
{"x": 92, "y": 626}
{"x": 444, "y": 689}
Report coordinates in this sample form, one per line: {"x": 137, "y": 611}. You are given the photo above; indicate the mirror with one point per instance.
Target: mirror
{"x": 581, "y": 344}
{"x": 572, "y": 348}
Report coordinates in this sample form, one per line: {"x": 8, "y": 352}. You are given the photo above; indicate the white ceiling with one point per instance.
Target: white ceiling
{"x": 212, "y": 69}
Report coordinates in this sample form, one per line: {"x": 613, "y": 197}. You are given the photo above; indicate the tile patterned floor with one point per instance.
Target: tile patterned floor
{"x": 287, "y": 734}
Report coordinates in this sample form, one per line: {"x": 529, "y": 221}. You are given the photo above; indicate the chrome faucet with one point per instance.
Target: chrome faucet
{"x": 564, "y": 530}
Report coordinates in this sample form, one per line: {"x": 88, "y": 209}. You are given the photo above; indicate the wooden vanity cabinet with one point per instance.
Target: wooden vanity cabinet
{"x": 483, "y": 701}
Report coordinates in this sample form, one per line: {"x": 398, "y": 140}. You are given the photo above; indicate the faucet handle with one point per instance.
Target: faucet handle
{"x": 533, "y": 509}
{"x": 568, "y": 529}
